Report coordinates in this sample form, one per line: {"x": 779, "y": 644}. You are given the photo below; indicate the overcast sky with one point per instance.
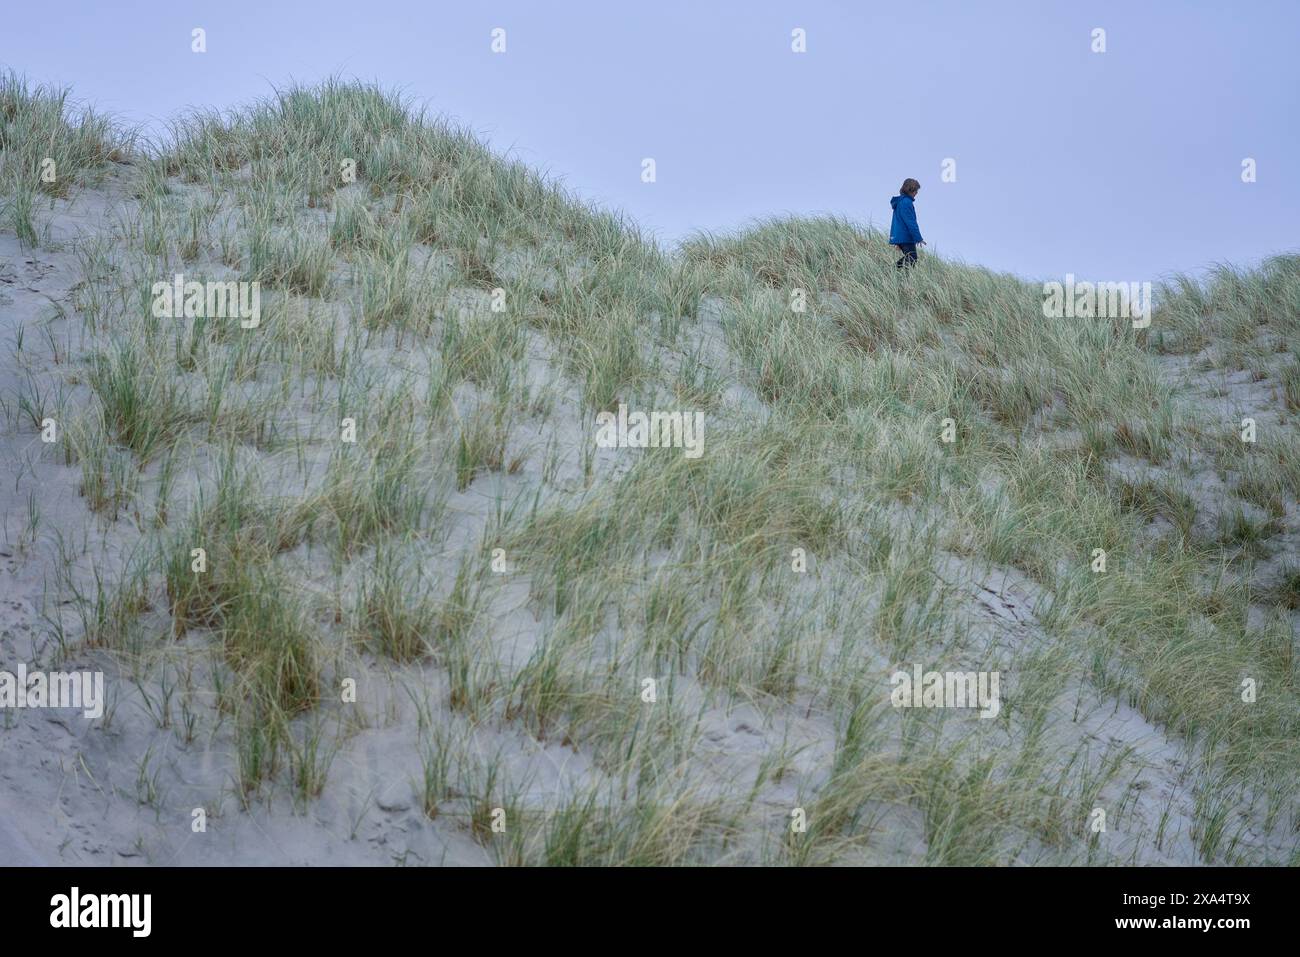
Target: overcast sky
{"x": 1117, "y": 166}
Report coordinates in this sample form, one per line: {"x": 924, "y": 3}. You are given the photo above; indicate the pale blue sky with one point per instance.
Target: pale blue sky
{"x": 1119, "y": 166}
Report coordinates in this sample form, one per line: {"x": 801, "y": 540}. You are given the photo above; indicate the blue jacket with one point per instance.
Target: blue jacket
{"x": 903, "y": 228}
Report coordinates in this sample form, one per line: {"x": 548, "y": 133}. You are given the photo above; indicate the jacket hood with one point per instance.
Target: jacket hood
{"x": 893, "y": 203}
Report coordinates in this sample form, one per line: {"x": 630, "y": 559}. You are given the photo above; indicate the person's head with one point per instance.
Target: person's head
{"x": 910, "y": 187}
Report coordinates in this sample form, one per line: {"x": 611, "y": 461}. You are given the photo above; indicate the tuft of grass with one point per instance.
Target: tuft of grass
{"x": 294, "y": 258}
{"x": 394, "y": 611}
{"x": 142, "y": 407}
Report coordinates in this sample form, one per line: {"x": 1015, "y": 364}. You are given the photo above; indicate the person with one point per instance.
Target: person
{"x": 903, "y": 231}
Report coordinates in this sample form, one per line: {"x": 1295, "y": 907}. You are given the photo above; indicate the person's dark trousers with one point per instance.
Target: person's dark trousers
{"x": 909, "y": 255}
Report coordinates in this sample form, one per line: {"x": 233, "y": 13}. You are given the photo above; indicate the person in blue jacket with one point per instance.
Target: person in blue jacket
{"x": 903, "y": 231}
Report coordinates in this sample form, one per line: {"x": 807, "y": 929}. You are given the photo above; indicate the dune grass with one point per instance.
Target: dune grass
{"x": 48, "y": 147}
{"x": 398, "y": 463}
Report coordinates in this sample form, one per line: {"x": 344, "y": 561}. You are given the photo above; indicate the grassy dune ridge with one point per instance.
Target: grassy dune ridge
{"x": 513, "y": 584}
